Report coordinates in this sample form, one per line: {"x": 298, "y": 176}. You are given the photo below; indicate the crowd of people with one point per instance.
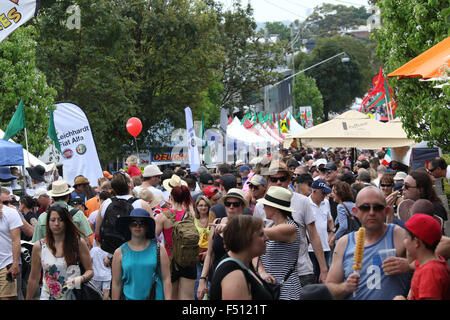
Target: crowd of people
{"x": 281, "y": 227}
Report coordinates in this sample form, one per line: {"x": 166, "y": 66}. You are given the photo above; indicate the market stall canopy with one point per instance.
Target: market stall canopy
{"x": 236, "y": 131}
{"x": 354, "y": 129}
{"x": 11, "y": 154}
{"x": 29, "y": 159}
{"x": 429, "y": 64}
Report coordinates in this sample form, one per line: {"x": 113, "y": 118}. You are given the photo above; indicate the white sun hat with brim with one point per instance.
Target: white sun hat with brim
{"x": 60, "y": 188}
{"x": 278, "y": 197}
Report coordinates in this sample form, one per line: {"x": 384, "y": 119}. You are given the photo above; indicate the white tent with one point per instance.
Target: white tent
{"x": 237, "y": 132}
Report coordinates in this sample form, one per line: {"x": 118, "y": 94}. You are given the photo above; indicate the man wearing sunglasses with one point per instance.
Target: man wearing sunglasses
{"x": 279, "y": 175}
{"x": 372, "y": 283}
{"x": 437, "y": 168}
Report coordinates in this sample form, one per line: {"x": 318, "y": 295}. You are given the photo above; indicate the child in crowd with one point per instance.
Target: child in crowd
{"x": 102, "y": 273}
{"x": 431, "y": 279}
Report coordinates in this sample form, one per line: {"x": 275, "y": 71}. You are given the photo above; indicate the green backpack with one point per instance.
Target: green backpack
{"x": 185, "y": 237}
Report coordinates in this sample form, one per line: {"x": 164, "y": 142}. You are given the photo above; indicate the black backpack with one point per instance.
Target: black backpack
{"x": 110, "y": 239}
{"x": 353, "y": 223}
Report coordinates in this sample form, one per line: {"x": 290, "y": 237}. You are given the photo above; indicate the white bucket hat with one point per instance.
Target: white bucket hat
{"x": 151, "y": 171}
{"x": 174, "y": 181}
{"x": 60, "y": 188}
{"x": 278, "y": 197}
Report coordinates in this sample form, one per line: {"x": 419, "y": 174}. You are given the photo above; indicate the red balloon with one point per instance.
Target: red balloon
{"x": 134, "y": 126}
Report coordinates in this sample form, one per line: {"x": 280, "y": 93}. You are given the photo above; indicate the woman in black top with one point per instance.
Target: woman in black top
{"x": 235, "y": 203}
{"x": 235, "y": 278}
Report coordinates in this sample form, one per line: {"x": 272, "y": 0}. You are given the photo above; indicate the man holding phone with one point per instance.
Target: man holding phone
{"x": 10, "y": 224}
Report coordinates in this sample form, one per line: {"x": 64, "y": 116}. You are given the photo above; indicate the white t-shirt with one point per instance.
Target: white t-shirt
{"x": 136, "y": 204}
{"x": 101, "y": 273}
{"x": 303, "y": 215}
{"x": 10, "y": 220}
{"x": 322, "y": 214}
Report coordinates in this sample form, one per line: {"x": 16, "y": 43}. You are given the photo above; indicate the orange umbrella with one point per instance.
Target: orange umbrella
{"x": 429, "y": 64}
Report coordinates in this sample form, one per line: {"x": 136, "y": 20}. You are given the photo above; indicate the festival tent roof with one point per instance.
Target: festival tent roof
{"x": 429, "y": 64}
{"x": 353, "y": 129}
{"x": 11, "y": 154}
{"x": 29, "y": 159}
{"x": 237, "y": 132}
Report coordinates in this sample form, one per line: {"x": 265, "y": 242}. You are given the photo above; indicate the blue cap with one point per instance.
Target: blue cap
{"x": 242, "y": 168}
{"x": 320, "y": 184}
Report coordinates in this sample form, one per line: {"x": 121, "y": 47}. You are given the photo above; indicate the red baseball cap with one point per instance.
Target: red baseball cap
{"x": 424, "y": 227}
{"x": 210, "y": 191}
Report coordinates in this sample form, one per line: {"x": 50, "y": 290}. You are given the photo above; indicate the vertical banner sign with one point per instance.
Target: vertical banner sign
{"x": 194, "y": 157}
{"x": 223, "y": 130}
{"x": 14, "y": 13}
{"x": 306, "y": 117}
{"x": 79, "y": 155}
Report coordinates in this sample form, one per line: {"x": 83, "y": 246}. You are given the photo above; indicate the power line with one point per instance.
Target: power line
{"x": 275, "y": 5}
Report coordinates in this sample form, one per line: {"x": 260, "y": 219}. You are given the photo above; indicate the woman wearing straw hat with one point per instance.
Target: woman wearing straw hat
{"x": 135, "y": 262}
{"x": 280, "y": 261}
{"x": 235, "y": 204}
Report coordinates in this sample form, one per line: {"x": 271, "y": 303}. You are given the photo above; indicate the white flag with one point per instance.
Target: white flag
{"x": 79, "y": 155}
{"x": 14, "y": 13}
{"x": 194, "y": 157}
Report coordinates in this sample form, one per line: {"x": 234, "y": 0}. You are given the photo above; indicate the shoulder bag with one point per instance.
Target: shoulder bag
{"x": 152, "y": 293}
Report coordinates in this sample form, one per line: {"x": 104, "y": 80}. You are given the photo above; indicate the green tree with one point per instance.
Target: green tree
{"x": 249, "y": 63}
{"x": 306, "y": 93}
{"x": 339, "y": 82}
{"x": 278, "y": 28}
{"x": 20, "y": 78}
{"x": 329, "y": 19}
{"x": 150, "y": 59}
{"x": 408, "y": 29}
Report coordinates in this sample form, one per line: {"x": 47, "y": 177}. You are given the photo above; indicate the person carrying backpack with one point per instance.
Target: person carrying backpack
{"x": 181, "y": 242}
{"x": 111, "y": 209}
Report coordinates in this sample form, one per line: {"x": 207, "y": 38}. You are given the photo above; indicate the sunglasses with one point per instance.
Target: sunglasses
{"x": 251, "y": 186}
{"x": 136, "y": 223}
{"x": 239, "y": 183}
{"x": 376, "y": 207}
{"x": 281, "y": 179}
{"x": 232, "y": 203}
{"x": 386, "y": 185}
{"x": 408, "y": 187}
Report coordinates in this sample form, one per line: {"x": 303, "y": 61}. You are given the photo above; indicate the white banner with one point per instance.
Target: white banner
{"x": 14, "y": 13}
{"x": 194, "y": 157}
{"x": 79, "y": 155}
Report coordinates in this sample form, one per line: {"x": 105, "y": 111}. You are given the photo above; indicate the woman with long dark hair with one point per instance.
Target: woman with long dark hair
{"x": 183, "y": 278}
{"x": 59, "y": 255}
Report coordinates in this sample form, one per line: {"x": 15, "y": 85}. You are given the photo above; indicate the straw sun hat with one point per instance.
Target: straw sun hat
{"x": 174, "y": 181}
{"x": 60, "y": 188}
{"x": 278, "y": 197}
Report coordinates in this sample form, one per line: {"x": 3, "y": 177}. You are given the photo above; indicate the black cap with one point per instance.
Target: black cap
{"x": 77, "y": 201}
{"x": 330, "y": 166}
{"x": 206, "y": 178}
{"x": 228, "y": 181}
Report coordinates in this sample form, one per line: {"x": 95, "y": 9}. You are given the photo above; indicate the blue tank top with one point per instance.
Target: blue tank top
{"x": 137, "y": 272}
{"x": 373, "y": 283}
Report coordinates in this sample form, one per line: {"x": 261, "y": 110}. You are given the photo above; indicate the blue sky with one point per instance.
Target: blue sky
{"x": 281, "y": 10}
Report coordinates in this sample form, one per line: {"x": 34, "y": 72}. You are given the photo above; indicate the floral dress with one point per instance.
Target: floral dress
{"x": 55, "y": 275}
